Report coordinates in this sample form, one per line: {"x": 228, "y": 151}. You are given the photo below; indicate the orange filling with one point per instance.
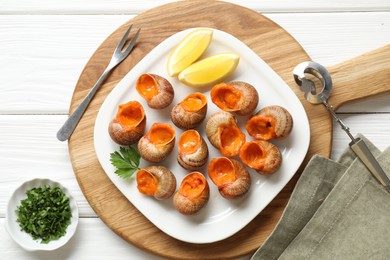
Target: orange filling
{"x": 194, "y": 102}
{"x": 226, "y": 97}
{"x": 193, "y": 185}
{"x": 160, "y": 134}
{"x": 253, "y": 155}
{"x": 147, "y": 87}
{"x": 261, "y": 127}
{"x": 231, "y": 139}
{"x": 146, "y": 183}
{"x": 130, "y": 114}
{"x": 221, "y": 171}
{"x": 189, "y": 142}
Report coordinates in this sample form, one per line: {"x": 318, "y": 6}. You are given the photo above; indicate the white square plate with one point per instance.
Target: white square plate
{"x": 220, "y": 218}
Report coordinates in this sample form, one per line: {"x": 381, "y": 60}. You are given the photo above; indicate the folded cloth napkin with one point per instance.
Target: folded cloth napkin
{"x": 336, "y": 211}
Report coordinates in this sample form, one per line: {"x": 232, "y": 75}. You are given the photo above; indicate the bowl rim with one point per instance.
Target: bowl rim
{"x": 24, "y": 239}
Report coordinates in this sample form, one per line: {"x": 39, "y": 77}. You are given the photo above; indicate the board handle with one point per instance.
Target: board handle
{"x": 361, "y": 77}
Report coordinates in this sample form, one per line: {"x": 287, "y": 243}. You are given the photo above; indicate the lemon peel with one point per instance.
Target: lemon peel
{"x": 210, "y": 70}
{"x": 188, "y": 50}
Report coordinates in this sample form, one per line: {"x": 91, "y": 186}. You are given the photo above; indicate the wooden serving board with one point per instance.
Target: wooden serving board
{"x": 358, "y": 78}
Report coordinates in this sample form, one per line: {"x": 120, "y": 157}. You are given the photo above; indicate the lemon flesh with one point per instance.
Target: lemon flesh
{"x": 189, "y": 49}
{"x": 209, "y": 71}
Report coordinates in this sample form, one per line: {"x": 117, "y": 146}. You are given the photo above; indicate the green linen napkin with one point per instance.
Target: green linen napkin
{"x": 336, "y": 211}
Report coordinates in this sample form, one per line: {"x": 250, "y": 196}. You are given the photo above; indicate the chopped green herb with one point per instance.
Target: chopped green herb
{"x": 126, "y": 161}
{"x": 45, "y": 213}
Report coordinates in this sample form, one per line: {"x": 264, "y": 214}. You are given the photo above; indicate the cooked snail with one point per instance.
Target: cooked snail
{"x": 193, "y": 151}
{"x": 224, "y": 134}
{"x": 262, "y": 156}
{"x": 230, "y": 176}
{"x": 193, "y": 194}
{"x": 129, "y": 124}
{"x": 156, "y": 181}
{"x": 270, "y": 122}
{"x": 190, "y": 112}
{"x": 238, "y": 97}
{"x": 157, "y": 143}
{"x": 156, "y": 90}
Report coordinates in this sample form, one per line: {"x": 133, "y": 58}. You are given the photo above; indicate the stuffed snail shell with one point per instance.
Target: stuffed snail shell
{"x": 157, "y": 143}
{"x": 230, "y": 176}
{"x": 193, "y": 150}
{"x": 262, "y": 156}
{"x": 237, "y": 96}
{"x": 156, "y": 181}
{"x": 224, "y": 134}
{"x": 193, "y": 194}
{"x": 190, "y": 112}
{"x": 270, "y": 122}
{"x": 156, "y": 90}
{"x": 129, "y": 124}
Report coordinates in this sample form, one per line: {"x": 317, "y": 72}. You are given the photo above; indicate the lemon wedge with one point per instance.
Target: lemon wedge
{"x": 211, "y": 70}
{"x": 189, "y": 49}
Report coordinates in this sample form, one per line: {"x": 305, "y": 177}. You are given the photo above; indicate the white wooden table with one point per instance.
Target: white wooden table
{"x": 44, "y": 45}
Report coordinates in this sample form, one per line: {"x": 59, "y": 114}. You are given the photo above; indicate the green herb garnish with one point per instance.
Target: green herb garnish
{"x": 126, "y": 161}
{"x": 45, "y": 213}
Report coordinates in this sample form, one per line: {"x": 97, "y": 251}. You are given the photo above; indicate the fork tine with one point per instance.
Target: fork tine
{"x": 132, "y": 43}
{"x": 118, "y": 56}
{"x": 123, "y": 40}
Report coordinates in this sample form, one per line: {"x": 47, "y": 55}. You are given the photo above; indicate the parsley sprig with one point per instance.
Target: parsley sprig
{"x": 126, "y": 161}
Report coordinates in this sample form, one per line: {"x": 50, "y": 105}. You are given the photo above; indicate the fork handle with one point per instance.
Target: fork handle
{"x": 70, "y": 124}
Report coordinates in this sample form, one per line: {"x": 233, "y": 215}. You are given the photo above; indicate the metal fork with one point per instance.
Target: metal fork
{"x": 119, "y": 55}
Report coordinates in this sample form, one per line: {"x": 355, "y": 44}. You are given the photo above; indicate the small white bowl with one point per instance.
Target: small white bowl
{"x": 24, "y": 239}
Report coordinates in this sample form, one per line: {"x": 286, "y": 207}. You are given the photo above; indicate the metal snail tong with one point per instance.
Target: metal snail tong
{"x": 314, "y": 96}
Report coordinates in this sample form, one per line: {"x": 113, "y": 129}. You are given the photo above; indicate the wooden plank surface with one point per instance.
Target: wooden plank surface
{"x": 47, "y": 89}
{"x": 271, "y": 43}
{"x": 34, "y": 152}
{"x": 81, "y": 242}
{"x": 330, "y": 32}
{"x": 136, "y": 6}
